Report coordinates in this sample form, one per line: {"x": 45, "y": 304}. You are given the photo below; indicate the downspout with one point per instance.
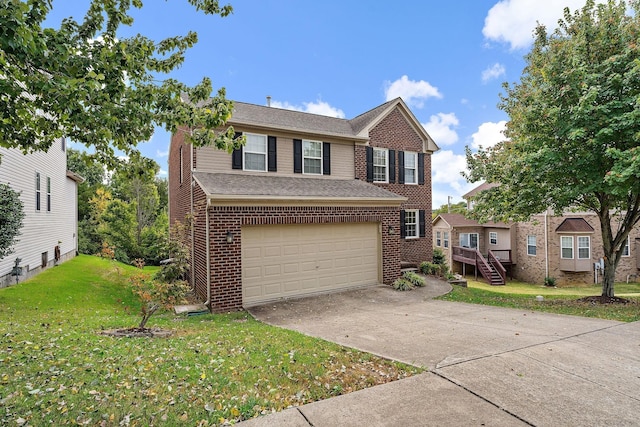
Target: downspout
{"x": 208, "y": 250}
{"x": 191, "y": 226}
{"x": 546, "y": 244}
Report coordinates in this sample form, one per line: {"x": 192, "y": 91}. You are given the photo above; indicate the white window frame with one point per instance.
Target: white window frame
{"x": 304, "y": 171}
{"x": 416, "y": 232}
{"x": 468, "y": 237}
{"x": 38, "y": 193}
{"x": 48, "y": 194}
{"x": 493, "y": 238}
{"x": 246, "y": 151}
{"x": 385, "y": 166}
{"x": 579, "y": 247}
{"x": 438, "y": 238}
{"x": 564, "y": 239}
{"x": 445, "y": 239}
{"x": 533, "y": 245}
{"x": 413, "y": 167}
{"x": 626, "y": 249}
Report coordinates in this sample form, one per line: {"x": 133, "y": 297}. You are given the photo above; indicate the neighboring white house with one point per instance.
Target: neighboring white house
{"x": 50, "y": 196}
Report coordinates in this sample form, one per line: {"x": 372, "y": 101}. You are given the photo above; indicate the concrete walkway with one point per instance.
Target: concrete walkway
{"x": 488, "y": 366}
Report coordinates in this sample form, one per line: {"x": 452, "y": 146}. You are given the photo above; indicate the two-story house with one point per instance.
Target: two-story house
{"x": 567, "y": 247}
{"x": 48, "y": 192}
{"x": 310, "y": 204}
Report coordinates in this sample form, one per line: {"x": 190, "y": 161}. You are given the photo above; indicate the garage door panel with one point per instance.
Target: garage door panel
{"x": 293, "y": 260}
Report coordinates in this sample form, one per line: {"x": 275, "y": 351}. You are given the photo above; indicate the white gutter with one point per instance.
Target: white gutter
{"x": 546, "y": 244}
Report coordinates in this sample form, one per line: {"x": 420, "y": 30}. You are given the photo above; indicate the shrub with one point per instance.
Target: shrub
{"x": 414, "y": 278}
{"x": 155, "y": 294}
{"x": 402, "y": 284}
{"x": 550, "y": 281}
{"x": 438, "y": 257}
{"x": 429, "y": 268}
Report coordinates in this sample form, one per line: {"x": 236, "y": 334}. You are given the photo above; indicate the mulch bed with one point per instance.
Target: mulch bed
{"x": 603, "y": 299}
{"x": 137, "y": 333}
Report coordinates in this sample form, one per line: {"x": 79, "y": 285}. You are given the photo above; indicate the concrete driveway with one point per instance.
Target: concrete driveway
{"x": 487, "y": 365}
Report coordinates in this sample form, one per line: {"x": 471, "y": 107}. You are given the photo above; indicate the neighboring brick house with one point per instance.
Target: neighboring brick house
{"x": 48, "y": 191}
{"x": 310, "y": 204}
{"x": 567, "y": 247}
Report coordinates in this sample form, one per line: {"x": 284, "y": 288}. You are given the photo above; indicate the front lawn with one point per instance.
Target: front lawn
{"x": 56, "y": 369}
{"x": 556, "y": 300}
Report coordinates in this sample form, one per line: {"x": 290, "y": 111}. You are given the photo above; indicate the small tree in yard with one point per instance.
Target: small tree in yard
{"x": 574, "y": 129}
{"x": 168, "y": 286}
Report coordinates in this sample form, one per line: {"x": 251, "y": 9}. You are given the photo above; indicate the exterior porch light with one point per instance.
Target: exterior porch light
{"x": 229, "y": 237}
{"x": 392, "y": 230}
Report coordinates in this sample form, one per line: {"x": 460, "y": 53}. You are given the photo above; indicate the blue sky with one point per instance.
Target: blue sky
{"x": 446, "y": 59}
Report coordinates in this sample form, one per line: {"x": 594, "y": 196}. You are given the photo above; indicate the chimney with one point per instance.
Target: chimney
{"x": 268, "y": 101}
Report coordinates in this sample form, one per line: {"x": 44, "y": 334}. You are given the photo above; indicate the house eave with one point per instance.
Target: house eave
{"x": 251, "y": 200}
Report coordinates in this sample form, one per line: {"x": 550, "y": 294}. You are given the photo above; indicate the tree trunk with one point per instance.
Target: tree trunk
{"x": 608, "y": 278}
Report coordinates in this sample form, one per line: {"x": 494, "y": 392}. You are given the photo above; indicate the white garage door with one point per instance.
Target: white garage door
{"x": 280, "y": 261}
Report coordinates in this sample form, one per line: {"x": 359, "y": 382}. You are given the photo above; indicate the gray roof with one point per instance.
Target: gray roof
{"x": 270, "y": 186}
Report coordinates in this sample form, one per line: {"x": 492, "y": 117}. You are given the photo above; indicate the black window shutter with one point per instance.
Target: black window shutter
{"x": 400, "y": 167}
{"x": 236, "y": 156}
{"x": 392, "y": 166}
{"x": 272, "y": 156}
{"x": 403, "y": 231}
{"x": 326, "y": 158}
{"x": 369, "y": 164}
{"x": 423, "y": 231}
{"x": 297, "y": 156}
{"x": 421, "y": 168}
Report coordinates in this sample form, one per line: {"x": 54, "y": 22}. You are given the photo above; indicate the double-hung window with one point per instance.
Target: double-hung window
{"x": 312, "y": 157}
{"x": 438, "y": 238}
{"x": 531, "y": 245}
{"x": 493, "y": 238}
{"x": 469, "y": 240}
{"x": 48, "y": 194}
{"x": 380, "y": 165}
{"x": 584, "y": 247}
{"x": 255, "y": 153}
{"x": 566, "y": 247}
{"x": 626, "y": 248}
{"x": 445, "y": 241}
{"x": 410, "y": 167}
{"x": 411, "y": 224}
{"x": 37, "y": 191}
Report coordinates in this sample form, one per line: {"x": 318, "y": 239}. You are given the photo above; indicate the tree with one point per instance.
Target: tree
{"x": 460, "y": 207}
{"x": 574, "y": 129}
{"x": 84, "y": 82}
{"x": 93, "y": 173}
{"x": 11, "y": 215}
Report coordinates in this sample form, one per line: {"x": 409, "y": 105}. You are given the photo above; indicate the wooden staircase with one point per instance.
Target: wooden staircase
{"x": 490, "y": 268}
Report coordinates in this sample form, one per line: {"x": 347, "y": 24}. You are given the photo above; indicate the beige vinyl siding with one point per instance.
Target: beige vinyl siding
{"x": 42, "y": 230}
{"x": 282, "y": 261}
{"x": 209, "y": 159}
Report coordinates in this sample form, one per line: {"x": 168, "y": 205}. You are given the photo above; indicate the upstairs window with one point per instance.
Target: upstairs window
{"x": 438, "y": 238}
{"x": 410, "y": 167}
{"x": 312, "y": 157}
{"x": 493, "y": 238}
{"x": 445, "y": 241}
{"x": 255, "y": 153}
{"x": 37, "y": 191}
{"x": 531, "y": 245}
{"x": 48, "y": 194}
{"x": 626, "y": 251}
{"x": 380, "y": 165}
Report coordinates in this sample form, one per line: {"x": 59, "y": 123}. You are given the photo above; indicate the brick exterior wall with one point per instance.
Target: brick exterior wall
{"x": 179, "y": 192}
{"x": 226, "y": 258}
{"x": 395, "y": 133}
{"x": 532, "y": 268}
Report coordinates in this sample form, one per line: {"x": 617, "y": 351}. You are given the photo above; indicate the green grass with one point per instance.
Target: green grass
{"x": 56, "y": 369}
{"x": 556, "y": 300}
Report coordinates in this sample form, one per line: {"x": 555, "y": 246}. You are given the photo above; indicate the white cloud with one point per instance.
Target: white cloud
{"x": 319, "y": 107}
{"x": 488, "y": 134}
{"x": 163, "y": 173}
{"x": 162, "y": 154}
{"x": 412, "y": 92}
{"x": 493, "y": 72}
{"x": 446, "y": 178}
{"x": 441, "y": 128}
{"x": 513, "y": 21}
